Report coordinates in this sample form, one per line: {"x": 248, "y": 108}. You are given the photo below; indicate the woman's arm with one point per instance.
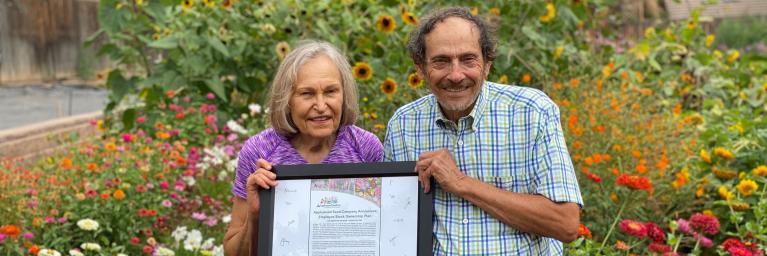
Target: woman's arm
{"x": 244, "y": 226}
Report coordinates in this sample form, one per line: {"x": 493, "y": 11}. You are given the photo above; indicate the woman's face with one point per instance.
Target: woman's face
{"x": 317, "y": 100}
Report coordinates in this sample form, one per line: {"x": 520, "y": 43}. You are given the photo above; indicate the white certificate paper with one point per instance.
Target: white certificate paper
{"x": 346, "y": 217}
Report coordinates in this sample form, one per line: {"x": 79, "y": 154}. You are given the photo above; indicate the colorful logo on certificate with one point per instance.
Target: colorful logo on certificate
{"x": 328, "y": 201}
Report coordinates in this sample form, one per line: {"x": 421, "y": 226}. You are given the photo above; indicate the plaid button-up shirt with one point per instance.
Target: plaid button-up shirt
{"x": 513, "y": 140}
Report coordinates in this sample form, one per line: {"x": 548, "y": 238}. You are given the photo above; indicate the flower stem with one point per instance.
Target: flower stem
{"x": 612, "y": 227}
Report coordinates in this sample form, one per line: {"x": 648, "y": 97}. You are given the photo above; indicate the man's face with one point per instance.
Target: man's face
{"x": 454, "y": 68}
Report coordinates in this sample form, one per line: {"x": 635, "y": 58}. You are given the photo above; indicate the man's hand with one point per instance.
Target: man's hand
{"x": 261, "y": 178}
{"x": 440, "y": 165}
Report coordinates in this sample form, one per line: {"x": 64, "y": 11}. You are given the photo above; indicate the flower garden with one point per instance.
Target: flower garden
{"x": 667, "y": 132}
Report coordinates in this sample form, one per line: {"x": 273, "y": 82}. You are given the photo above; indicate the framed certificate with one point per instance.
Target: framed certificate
{"x": 345, "y": 209}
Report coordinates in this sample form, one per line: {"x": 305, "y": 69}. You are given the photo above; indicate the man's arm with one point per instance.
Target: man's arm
{"x": 534, "y": 214}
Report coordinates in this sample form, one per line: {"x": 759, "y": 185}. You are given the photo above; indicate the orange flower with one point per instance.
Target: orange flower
{"x": 526, "y": 78}
{"x": 104, "y": 196}
{"x": 119, "y": 194}
{"x": 584, "y": 231}
{"x": 635, "y": 182}
{"x": 92, "y": 166}
{"x": 574, "y": 82}
{"x": 599, "y": 85}
{"x": 110, "y": 146}
{"x": 10, "y": 230}
{"x": 34, "y": 249}
{"x": 65, "y": 163}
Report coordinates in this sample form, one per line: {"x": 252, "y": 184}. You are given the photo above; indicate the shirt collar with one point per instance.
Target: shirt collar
{"x": 470, "y": 120}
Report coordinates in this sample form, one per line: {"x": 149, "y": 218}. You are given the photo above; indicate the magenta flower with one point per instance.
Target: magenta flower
{"x": 2, "y": 237}
{"x": 167, "y": 203}
{"x": 164, "y": 185}
{"x": 211, "y": 221}
{"x": 705, "y": 223}
{"x": 141, "y": 119}
{"x": 684, "y": 226}
{"x": 62, "y": 220}
{"x": 704, "y": 241}
{"x": 50, "y": 219}
{"x": 28, "y": 235}
{"x": 659, "y": 248}
{"x": 210, "y": 96}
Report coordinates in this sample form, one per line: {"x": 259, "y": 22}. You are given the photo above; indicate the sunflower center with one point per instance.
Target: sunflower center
{"x": 363, "y": 71}
{"x": 386, "y": 22}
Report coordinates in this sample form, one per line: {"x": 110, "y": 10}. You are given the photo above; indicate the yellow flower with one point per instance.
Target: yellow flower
{"x": 649, "y": 33}
{"x": 139, "y": 2}
{"x": 724, "y": 193}
{"x": 551, "y": 13}
{"x": 187, "y": 4}
{"x": 504, "y": 79}
{"x": 691, "y": 24}
{"x": 614, "y": 197}
{"x": 282, "y": 49}
{"x": 717, "y": 54}
{"x": 733, "y": 56}
{"x": 760, "y": 170}
{"x": 723, "y": 153}
{"x": 414, "y": 81}
{"x": 558, "y": 52}
{"x": 110, "y": 146}
{"x": 700, "y": 192}
{"x": 705, "y": 156}
{"x": 227, "y": 4}
{"x": 764, "y": 86}
{"x": 389, "y": 86}
{"x": 710, "y": 40}
{"x": 747, "y": 187}
{"x": 495, "y": 11}
{"x": 386, "y": 23}
{"x": 606, "y": 71}
{"x": 669, "y": 35}
{"x": 409, "y": 18}
{"x": 362, "y": 71}
{"x": 474, "y": 11}
{"x": 209, "y": 3}
{"x": 708, "y": 212}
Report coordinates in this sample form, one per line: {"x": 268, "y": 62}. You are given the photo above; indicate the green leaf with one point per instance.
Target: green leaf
{"x": 118, "y": 85}
{"x": 169, "y": 42}
{"x": 218, "y": 46}
{"x": 129, "y": 118}
{"x": 217, "y": 87}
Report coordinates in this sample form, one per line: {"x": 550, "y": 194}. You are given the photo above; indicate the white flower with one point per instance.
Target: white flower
{"x": 222, "y": 175}
{"x": 75, "y": 252}
{"x": 48, "y": 252}
{"x": 179, "y": 233}
{"x": 235, "y": 127}
{"x": 122, "y": 254}
{"x": 162, "y": 251}
{"x": 227, "y": 218}
{"x": 91, "y": 247}
{"x": 268, "y": 28}
{"x": 208, "y": 244}
{"x": 218, "y": 250}
{"x": 193, "y": 240}
{"x": 232, "y": 165}
{"x": 88, "y": 224}
{"x": 254, "y": 109}
{"x": 189, "y": 180}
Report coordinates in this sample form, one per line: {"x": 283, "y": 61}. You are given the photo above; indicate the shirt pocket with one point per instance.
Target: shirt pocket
{"x": 517, "y": 182}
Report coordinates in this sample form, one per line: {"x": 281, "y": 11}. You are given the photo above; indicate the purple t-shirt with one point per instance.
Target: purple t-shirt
{"x": 353, "y": 145}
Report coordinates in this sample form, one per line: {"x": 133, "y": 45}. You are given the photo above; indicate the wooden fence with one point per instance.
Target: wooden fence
{"x": 41, "y": 40}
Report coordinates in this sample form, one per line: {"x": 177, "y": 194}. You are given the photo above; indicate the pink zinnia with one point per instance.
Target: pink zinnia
{"x": 167, "y": 203}
{"x": 211, "y": 221}
{"x": 164, "y": 185}
{"x": 141, "y": 119}
{"x": 210, "y": 119}
{"x": 2, "y": 237}
{"x": 127, "y": 137}
{"x": 684, "y": 226}
{"x": 199, "y": 216}
{"x": 210, "y": 96}
{"x": 50, "y": 219}
{"x": 655, "y": 233}
{"x": 633, "y": 228}
{"x": 705, "y": 223}
{"x": 29, "y": 235}
{"x": 704, "y": 241}
{"x": 658, "y": 247}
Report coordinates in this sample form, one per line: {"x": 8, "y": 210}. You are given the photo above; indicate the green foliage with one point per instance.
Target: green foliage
{"x": 740, "y": 32}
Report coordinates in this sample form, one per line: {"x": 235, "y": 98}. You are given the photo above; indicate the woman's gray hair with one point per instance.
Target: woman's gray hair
{"x": 285, "y": 79}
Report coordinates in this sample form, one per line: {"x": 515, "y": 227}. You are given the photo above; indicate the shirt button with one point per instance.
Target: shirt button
{"x": 460, "y": 142}
{"x": 465, "y": 221}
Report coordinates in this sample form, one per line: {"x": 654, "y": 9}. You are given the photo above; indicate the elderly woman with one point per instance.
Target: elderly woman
{"x": 313, "y": 105}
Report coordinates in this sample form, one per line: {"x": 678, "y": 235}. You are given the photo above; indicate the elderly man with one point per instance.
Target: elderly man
{"x": 504, "y": 181}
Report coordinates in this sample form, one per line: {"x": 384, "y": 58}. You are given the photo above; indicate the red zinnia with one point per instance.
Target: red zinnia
{"x": 10, "y": 230}
{"x": 739, "y": 251}
{"x": 635, "y": 182}
{"x": 584, "y": 231}
{"x": 655, "y": 233}
{"x": 633, "y": 228}
{"x": 659, "y": 248}
{"x": 705, "y": 223}
{"x": 732, "y": 242}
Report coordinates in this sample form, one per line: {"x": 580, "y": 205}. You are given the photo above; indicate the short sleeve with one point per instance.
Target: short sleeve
{"x": 253, "y": 150}
{"x": 370, "y": 147}
{"x": 556, "y": 177}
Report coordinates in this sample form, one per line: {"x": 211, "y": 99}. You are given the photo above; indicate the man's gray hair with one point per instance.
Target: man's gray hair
{"x": 417, "y": 42}
{"x": 285, "y": 79}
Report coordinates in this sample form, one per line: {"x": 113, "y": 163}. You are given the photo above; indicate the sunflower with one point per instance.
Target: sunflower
{"x": 409, "y": 18}
{"x": 747, "y": 187}
{"x": 389, "y": 86}
{"x": 414, "y": 81}
{"x": 504, "y": 79}
{"x": 362, "y": 71}
{"x": 227, "y": 4}
{"x": 187, "y": 4}
{"x": 282, "y": 49}
{"x": 139, "y": 2}
{"x": 551, "y": 13}
{"x": 209, "y": 3}
{"x": 385, "y": 23}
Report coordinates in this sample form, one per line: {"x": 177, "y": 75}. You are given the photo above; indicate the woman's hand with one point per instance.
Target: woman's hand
{"x": 261, "y": 178}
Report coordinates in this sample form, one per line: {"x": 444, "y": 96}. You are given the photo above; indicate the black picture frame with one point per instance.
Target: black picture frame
{"x": 264, "y": 238}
